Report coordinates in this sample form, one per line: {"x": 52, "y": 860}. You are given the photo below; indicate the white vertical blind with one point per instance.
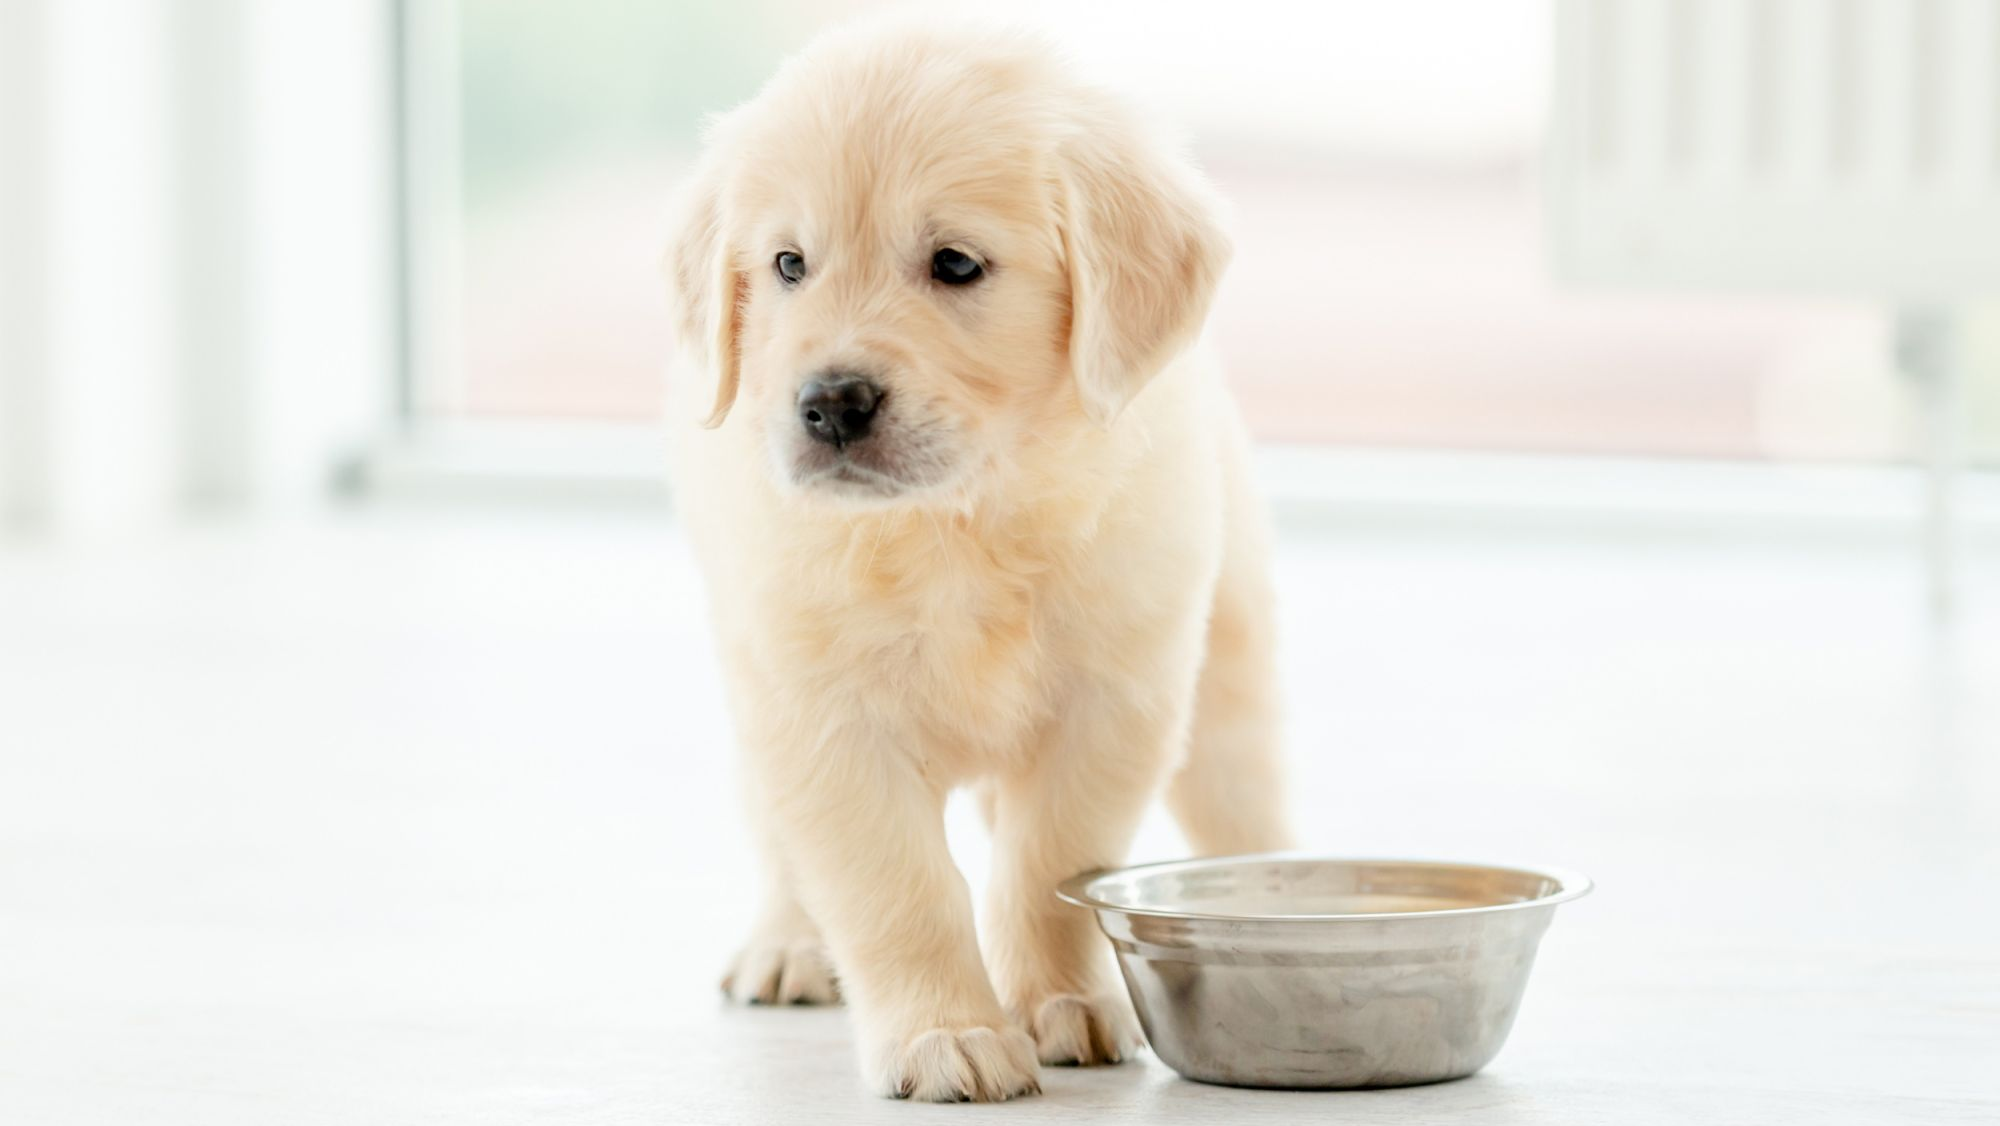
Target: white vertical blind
{"x": 195, "y": 213}
{"x": 110, "y": 342}
{"x": 1837, "y": 145}
{"x": 320, "y": 223}
{"x": 23, "y": 253}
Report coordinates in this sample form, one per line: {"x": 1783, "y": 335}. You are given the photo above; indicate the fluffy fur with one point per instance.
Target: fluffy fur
{"x": 1042, "y": 575}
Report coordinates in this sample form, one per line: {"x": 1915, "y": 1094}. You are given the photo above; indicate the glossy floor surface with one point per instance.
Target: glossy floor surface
{"x": 430, "y": 819}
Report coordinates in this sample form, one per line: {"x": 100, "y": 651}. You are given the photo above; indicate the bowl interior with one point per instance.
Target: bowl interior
{"x": 1275, "y": 887}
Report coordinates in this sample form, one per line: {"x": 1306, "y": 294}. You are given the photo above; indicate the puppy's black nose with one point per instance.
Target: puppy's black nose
{"x": 838, "y": 408}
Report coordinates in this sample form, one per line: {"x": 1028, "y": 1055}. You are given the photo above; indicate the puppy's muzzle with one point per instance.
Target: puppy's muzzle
{"x": 838, "y": 408}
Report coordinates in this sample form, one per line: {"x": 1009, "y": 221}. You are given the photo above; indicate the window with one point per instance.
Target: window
{"x": 1389, "y": 289}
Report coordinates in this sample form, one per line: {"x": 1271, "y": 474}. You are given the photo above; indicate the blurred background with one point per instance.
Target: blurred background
{"x": 1627, "y": 376}
{"x": 459, "y": 233}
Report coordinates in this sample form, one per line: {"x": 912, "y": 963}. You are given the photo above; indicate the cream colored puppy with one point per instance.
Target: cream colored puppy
{"x": 972, "y": 511}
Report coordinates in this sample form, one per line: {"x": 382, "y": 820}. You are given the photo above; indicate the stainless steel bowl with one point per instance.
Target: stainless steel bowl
{"x": 1291, "y": 971}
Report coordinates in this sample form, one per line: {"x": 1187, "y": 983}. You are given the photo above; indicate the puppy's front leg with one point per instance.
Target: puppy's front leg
{"x": 784, "y": 962}
{"x": 864, "y": 832}
{"x": 1074, "y": 810}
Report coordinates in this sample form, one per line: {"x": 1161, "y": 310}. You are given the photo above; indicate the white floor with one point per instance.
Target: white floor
{"x": 400, "y": 819}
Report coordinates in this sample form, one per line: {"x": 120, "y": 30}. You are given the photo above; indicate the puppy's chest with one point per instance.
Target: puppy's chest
{"x": 951, "y": 644}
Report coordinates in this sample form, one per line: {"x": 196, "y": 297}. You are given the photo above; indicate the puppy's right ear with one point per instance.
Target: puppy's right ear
{"x": 708, "y": 288}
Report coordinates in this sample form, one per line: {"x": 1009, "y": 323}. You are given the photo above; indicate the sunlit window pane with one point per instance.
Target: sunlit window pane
{"x": 1390, "y": 286}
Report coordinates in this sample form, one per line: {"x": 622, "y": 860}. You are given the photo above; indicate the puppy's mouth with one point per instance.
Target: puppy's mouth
{"x": 846, "y": 478}
{"x": 892, "y": 462}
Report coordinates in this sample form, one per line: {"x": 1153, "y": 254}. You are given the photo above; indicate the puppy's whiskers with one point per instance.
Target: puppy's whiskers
{"x": 943, "y": 551}
{"x": 881, "y": 526}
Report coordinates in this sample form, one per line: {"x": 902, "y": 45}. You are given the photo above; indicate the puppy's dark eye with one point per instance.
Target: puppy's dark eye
{"x": 953, "y": 267}
{"x": 791, "y": 267}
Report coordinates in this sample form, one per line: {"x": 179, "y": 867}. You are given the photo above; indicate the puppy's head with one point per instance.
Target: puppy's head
{"x": 916, "y": 258}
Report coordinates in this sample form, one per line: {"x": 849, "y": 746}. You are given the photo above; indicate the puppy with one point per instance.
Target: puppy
{"x": 973, "y": 511}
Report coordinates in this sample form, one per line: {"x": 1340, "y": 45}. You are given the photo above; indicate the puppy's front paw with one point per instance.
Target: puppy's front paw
{"x": 955, "y": 1065}
{"x": 778, "y": 971}
{"x": 1072, "y": 1029}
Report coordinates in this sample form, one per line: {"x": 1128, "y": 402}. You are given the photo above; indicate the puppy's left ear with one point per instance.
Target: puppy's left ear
{"x": 708, "y": 288}
{"x": 1145, "y": 246}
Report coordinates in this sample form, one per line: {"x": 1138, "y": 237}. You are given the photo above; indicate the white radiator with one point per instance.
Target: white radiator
{"x": 1848, "y": 146}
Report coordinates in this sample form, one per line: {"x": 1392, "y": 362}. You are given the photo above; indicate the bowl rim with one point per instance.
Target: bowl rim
{"x": 1570, "y": 885}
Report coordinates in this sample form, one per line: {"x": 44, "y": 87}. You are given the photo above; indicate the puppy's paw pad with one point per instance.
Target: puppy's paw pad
{"x": 1071, "y": 1029}
{"x": 947, "y": 1065}
{"x": 797, "y": 972}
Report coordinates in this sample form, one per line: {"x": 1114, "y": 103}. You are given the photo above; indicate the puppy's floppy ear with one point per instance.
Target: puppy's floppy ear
{"x": 1145, "y": 247}
{"x": 708, "y": 288}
